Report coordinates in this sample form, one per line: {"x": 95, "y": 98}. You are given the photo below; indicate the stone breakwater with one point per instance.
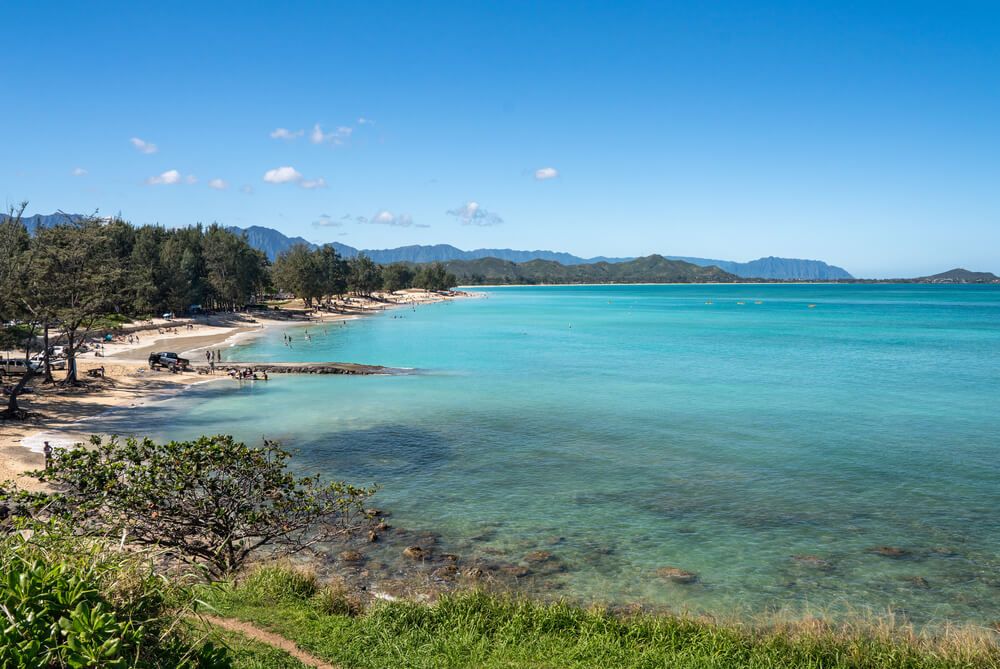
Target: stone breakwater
{"x": 309, "y": 368}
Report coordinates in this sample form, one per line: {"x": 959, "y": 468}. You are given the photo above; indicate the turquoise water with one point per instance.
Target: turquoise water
{"x": 629, "y": 428}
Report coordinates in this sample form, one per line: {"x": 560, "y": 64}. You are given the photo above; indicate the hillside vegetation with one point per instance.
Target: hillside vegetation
{"x": 650, "y": 269}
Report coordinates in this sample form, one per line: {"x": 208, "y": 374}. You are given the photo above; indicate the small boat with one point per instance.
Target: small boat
{"x": 812, "y": 306}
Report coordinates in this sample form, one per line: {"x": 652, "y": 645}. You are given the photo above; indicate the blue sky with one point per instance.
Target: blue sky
{"x": 865, "y": 134}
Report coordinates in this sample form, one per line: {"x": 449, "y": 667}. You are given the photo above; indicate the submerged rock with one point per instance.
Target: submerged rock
{"x": 890, "y": 551}
{"x": 812, "y": 561}
{"x": 515, "y": 570}
{"x": 415, "y": 552}
{"x": 445, "y": 573}
{"x": 918, "y": 581}
{"x": 537, "y": 557}
{"x": 474, "y": 573}
{"x": 677, "y": 575}
{"x": 351, "y": 556}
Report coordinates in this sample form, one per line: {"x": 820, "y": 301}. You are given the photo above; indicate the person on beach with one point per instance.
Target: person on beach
{"x": 47, "y": 450}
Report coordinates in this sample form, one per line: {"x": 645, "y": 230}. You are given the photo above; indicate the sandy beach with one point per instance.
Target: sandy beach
{"x": 128, "y": 382}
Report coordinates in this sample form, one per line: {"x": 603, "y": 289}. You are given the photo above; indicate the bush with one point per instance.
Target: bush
{"x": 69, "y": 603}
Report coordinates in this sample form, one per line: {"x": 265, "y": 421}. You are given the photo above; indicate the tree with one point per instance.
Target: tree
{"x": 396, "y": 277}
{"x": 364, "y": 277}
{"x": 434, "y": 277}
{"x": 72, "y": 279}
{"x": 236, "y": 272}
{"x": 334, "y": 270}
{"x": 14, "y": 247}
{"x": 212, "y": 501}
{"x": 298, "y": 271}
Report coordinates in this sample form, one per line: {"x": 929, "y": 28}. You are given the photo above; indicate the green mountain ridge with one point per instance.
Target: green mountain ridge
{"x": 649, "y": 269}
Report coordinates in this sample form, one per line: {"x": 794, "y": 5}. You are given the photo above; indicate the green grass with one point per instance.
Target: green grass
{"x": 245, "y": 653}
{"x": 481, "y": 630}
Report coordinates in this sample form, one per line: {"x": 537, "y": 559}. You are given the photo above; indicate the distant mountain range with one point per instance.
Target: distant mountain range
{"x": 273, "y": 243}
{"x": 651, "y": 269}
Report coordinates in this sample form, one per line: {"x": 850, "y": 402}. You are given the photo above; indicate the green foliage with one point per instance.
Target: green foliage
{"x": 650, "y": 269}
{"x": 310, "y": 274}
{"x": 364, "y": 276}
{"x": 212, "y": 501}
{"x": 396, "y": 277}
{"x": 434, "y": 277}
{"x": 482, "y": 630}
{"x": 69, "y": 603}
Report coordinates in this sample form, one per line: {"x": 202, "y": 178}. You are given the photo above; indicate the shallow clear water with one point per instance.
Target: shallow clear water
{"x": 627, "y": 428}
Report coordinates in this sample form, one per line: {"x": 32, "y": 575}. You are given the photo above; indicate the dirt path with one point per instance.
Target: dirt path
{"x": 270, "y": 638}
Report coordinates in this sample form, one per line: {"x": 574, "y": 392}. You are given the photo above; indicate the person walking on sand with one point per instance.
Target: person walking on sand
{"x": 47, "y": 449}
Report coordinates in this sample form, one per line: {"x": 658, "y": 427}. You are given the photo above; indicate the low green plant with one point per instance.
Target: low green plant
{"x": 65, "y": 602}
{"x": 490, "y": 631}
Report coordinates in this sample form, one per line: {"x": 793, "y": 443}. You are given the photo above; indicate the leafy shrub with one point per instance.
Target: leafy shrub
{"x": 66, "y": 603}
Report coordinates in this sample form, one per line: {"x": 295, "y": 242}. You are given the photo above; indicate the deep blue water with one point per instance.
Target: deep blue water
{"x": 626, "y": 428}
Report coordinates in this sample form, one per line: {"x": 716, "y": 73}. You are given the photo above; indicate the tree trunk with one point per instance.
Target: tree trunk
{"x": 71, "y": 379}
{"x": 13, "y": 411}
{"x": 48, "y": 366}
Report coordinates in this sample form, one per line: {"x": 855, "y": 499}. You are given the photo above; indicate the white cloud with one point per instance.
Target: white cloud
{"x": 190, "y": 179}
{"x": 383, "y": 217}
{"x": 317, "y": 136}
{"x": 366, "y": 121}
{"x": 143, "y": 146}
{"x": 218, "y": 184}
{"x": 282, "y": 175}
{"x": 472, "y": 213}
{"x": 79, "y": 172}
{"x": 313, "y": 183}
{"x": 246, "y": 188}
{"x": 167, "y": 178}
{"x": 327, "y": 221}
{"x": 285, "y": 133}
{"x": 544, "y": 173}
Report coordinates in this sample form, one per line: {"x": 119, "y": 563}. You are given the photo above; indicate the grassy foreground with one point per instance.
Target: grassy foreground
{"x": 477, "y": 629}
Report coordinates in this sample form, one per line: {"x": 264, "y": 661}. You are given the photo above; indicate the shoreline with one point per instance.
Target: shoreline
{"x": 128, "y": 383}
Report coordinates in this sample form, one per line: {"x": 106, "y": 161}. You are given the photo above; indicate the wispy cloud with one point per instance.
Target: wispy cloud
{"x": 168, "y": 178}
{"x": 282, "y": 175}
{"x": 246, "y": 188}
{"x": 313, "y": 183}
{"x": 384, "y": 217}
{"x": 142, "y": 146}
{"x": 472, "y": 213}
{"x": 545, "y": 173}
{"x": 191, "y": 179}
{"x": 79, "y": 172}
{"x": 285, "y": 133}
{"x": 327, "y": 221}
{"x": 366, "y": 121}
{"x": 337, "y": 137}
{"x": 218, "y": 184}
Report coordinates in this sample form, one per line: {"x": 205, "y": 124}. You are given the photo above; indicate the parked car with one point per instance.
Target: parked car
{"x": 16, "y": 366}
{"x": 55, "y": 361}
{"x": 171, "y": 361}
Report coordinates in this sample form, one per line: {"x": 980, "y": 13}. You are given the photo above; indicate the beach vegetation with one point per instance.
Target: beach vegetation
{"x": 68, "y": 602}
{"x": 434, "y": 276}
{"x": 364, "y": 276}
{"x": 396, "y": 276}
{"x": 213, "y": 502}
{"x": 492, "y": 630}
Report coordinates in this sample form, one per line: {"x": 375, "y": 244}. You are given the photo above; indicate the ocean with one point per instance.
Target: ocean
{"x": 772, "y": 439}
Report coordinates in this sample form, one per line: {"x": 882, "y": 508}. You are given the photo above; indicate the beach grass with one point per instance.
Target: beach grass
{"x": 480, "y": 629}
